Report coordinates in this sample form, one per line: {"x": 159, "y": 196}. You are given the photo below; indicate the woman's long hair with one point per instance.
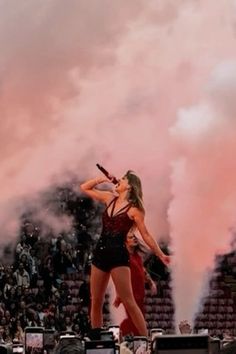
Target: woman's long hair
{"x": 135, "y": 195}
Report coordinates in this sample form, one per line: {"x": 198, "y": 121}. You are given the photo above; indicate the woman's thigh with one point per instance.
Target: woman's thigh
{"x": 122, "y": 280}
{"x": 98, "y": 282}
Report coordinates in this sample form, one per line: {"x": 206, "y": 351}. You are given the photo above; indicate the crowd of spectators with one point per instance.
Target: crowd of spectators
{"x": 47, "y": 284}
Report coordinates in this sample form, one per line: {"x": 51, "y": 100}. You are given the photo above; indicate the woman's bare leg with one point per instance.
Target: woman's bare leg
{"x": 98, "y": 285}
{"x": 122, "y": 280}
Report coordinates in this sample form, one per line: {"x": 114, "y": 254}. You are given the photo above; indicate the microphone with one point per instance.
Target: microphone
{"x": 106, "y": 173}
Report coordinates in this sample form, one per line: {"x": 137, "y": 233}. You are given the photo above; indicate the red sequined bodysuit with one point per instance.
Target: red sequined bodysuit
{"x": 111, "y": 251}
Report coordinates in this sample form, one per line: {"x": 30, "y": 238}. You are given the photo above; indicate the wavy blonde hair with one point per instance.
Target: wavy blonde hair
{"x": 135, "y": 194}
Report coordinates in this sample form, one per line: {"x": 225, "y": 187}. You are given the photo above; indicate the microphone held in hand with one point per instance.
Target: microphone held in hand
{"x": 106, "y": 173}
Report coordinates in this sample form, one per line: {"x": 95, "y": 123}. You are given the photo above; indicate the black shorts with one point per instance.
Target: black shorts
{"x": 110, "y": 253}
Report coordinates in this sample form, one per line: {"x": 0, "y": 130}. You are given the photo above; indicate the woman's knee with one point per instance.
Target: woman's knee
{"x": 97, "y": 301}
{"x": 129, "y": 302}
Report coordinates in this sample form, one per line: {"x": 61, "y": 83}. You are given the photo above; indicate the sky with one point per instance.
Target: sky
{"x": 130, "y": 84}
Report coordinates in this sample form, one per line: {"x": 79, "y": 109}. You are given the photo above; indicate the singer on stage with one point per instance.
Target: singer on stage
{"x": 124, "y": 211}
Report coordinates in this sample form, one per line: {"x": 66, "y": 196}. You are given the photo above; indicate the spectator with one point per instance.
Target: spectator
{"x": 28, "y": 297}
{"x": 7, "y": 336}
{"x": 33, "y": 267}
{"x": 2, "y": 274}
{"x": 41, "y": 313}
{"x": 8, "y": 317}
{"x": 31, "y": 234}
{"x": 84, "y": 292}
{"x": 9, "y": 287}
{"x": 23, "y": 313}
{"x": 34, "y": 320}
{"x": 61, "y": 259}
{"x": 48, "y": 275}
{"x": 19, "y": 333}
{"x": 25, "y": 253}
{"x": 41, "y": 296}
{"x": 229, "y": 348}
{"x": 68, "y": 323}
{"x": 20, "y": 246}
{"x": 69, "y": 346}
{"x": 1, "y": 334}
{"x": 64, "y": 295}
{"x": 19, "y": 291}
{"x": 22, "y": 276}
{"x": 49, "y": 322}
{"x": 24, "y": 259}
{"x": 185, "y": 327}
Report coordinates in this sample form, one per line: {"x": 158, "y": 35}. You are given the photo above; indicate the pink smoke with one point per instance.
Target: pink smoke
{"x": 104, "y": 82}
{"x": 202, "y": 212}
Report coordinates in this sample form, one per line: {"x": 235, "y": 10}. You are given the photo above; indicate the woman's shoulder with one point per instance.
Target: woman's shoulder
{"x": 135, "y": 211}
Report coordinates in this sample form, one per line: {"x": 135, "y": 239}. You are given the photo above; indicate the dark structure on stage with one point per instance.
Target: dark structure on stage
{"x": 183, "y": 344}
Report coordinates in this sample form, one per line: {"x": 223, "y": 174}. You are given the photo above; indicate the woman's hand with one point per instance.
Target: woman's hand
{"x": 103, "y": 179}
{"x": 124, "y": 348}
{"x": 153, "y": 288}
{"x": 112, "y": 179}
{"x": 117, "y": 302}
{"x": 165, "y": 259}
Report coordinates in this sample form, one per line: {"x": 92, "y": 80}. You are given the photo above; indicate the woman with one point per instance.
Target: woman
{"x": 139, "y": 277}
{"x": 111, "y": 258}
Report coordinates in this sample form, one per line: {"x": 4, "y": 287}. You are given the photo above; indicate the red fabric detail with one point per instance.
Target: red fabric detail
{"x": 138, "y": 286}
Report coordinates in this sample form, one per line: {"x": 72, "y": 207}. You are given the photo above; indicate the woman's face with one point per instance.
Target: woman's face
{"x": 131, "y": 240}
{"x": 122, "y": 185}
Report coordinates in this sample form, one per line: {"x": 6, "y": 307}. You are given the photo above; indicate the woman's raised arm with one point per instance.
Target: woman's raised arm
{"x": 88, "y": 188}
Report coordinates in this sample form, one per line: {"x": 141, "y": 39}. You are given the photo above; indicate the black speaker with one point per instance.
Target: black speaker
{"x": 5, "y": 349}
{"x": 181, "y": 344}
{"x": 215, "y": 346}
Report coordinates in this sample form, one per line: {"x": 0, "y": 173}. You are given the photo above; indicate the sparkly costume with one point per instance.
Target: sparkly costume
{"x": 111, "y": 251}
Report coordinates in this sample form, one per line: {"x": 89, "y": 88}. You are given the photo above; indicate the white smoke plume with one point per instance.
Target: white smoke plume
{"x": 202, "y": 212}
